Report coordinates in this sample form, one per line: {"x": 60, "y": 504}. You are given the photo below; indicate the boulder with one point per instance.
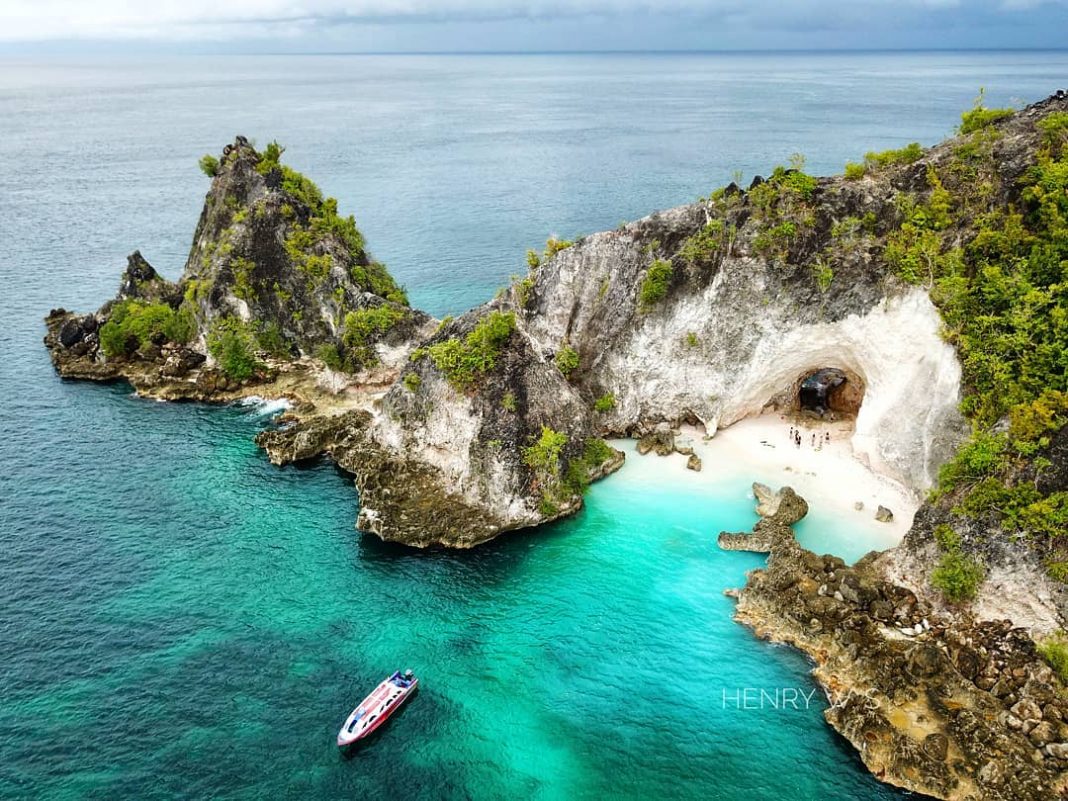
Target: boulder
{"x": 661, "y": 440}
{"x": 694, "y": 463}
{"x": 884, "y": 515}
{"x": 785, "y": 507}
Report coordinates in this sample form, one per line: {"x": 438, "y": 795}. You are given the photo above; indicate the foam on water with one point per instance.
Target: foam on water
{"x": 264, "y": 407}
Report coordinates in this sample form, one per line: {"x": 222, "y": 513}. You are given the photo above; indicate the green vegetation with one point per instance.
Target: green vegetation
{"x": 1054, "y": 128}
{"x": 465, "y": 361}
{"x": 508, "y": 402}
{"x": 554, "y": 246}
{"x": 533, "y": 259}
{"x": 597, "y": 452}
{"x": 1054, "y": 649}
{"x": 979, "y": 116}
{"x": 691, "y": 340}
{"x": 232, "y": 343}
{"x": 854, "y": 171}
{"x": 363, "y": 328}
{"x": 412, "y": 382}
{"x": 329, "y": 355}
{"x": 915, "y": 251}
{"x": 270, "y": 338}
{"x": 978, "y": 458}
{"x": 567, "y": 360}
{"x": 544, "y": 457}
{"x": 1003, "y": 296}
{"x": 605, "y": 403}
{"x": 209, "y": 165}
{"x": 886, "y": 158}
{"x": 655, "y": 284}
{"x": 323, "y": 221}
{"x": 523, "y": 288}
{"x": 703, "y": 246}
{"x": 133, "y": 324}
{"x": 242, "y": 269}
{"x": 957, "y": 576}
{"x": 774, "y": 242}
{"x": 824, "y": 274}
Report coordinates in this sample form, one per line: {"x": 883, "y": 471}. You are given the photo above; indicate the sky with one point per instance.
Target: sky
{"x": 348, "y": 26}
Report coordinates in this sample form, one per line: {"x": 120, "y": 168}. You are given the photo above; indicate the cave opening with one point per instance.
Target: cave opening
{"x": 829, "y": 392}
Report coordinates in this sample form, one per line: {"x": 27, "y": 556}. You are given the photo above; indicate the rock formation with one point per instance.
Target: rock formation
{"x": 704, "y": 314}
{"x": 936, "y": 703}
{"x": 460, "y": 430}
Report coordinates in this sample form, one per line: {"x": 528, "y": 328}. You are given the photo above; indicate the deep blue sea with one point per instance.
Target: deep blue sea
{"x": 178, "y": 618}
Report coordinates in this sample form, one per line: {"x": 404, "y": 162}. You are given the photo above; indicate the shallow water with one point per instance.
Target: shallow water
{"x": 181, "y": 618}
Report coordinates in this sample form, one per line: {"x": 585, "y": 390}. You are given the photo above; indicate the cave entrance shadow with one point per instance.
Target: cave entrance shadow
{"x": 828, "y": 393}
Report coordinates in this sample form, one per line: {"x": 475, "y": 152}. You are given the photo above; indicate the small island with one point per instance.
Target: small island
{"x": 919, "y": 300}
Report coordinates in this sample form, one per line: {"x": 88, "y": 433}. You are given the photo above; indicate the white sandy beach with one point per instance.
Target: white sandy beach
{"x": 828, "y": 476}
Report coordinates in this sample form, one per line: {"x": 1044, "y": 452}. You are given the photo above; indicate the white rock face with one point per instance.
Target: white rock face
{"x": 745, "y": 340}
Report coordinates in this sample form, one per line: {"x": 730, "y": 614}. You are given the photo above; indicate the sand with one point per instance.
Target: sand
{"x": 828, "y": 476}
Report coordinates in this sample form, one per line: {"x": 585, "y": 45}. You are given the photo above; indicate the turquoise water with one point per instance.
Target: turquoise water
{"x": 182, "y": 619}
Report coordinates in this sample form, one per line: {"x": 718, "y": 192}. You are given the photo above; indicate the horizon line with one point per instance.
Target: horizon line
{"x": 94, "y": 48}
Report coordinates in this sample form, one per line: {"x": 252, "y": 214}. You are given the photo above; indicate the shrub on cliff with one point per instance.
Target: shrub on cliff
{"x": 885, "y": 158}
{"x": 655, "y": 284}
{"x": 464, "y": 361}
{"x": 705, "y": 244}
{"x": 209, "y": 165}
{"x": 567, "y": 360}
{"x": 329, "y": 355}
{"x": 958, "y": 576}
{"x": 232, "y": 344}
{"x": 854, "y": 171}
{"x": 1054, "y": 649}
{"x": 324, "y": 220}
{"x": 605, "y": 403}
{"x": 979, "y": 116}
{"x": 363, "y": 328}
{"x": 133, "y": 324}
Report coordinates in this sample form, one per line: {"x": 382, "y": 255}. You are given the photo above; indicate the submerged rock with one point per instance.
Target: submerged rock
{"x": 884, "y": 515}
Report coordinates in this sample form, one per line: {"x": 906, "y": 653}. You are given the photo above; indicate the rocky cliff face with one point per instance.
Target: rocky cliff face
{"x": 705, "y": 313}
{"x": 458, "y": 431}
{"x": 273, "y": 275}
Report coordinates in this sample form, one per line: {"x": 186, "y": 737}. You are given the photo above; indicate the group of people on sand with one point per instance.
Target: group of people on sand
{"x": 818, "y": 439}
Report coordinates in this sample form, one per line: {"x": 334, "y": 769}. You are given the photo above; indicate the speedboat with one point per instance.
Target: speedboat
{"x": 376, "y": 708}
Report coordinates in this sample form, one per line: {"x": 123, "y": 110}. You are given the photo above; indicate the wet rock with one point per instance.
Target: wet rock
{"x": 884, "y": 515}
{"x": 694, "y": 463}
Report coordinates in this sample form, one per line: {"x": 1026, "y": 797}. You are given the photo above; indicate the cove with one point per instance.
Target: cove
{"x": 239, "y": 612}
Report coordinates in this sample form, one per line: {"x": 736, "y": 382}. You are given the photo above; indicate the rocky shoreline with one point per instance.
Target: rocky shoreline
{"x": 938, "y": 704}
{"x": 461, "y": 429}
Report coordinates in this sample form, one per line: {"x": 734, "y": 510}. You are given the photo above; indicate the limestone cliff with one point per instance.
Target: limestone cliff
{"x": 274, "y": 274}
{"x": 704, "y": 313}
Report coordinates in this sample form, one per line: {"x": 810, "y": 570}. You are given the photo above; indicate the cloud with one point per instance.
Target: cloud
{"x": 183, "y": 20}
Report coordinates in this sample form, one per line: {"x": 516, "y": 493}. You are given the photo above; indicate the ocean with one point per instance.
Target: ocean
{"x": 181, "y": 619}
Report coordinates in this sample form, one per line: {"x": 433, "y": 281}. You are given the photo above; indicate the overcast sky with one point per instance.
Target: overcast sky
{"x": 538, "y": 25}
